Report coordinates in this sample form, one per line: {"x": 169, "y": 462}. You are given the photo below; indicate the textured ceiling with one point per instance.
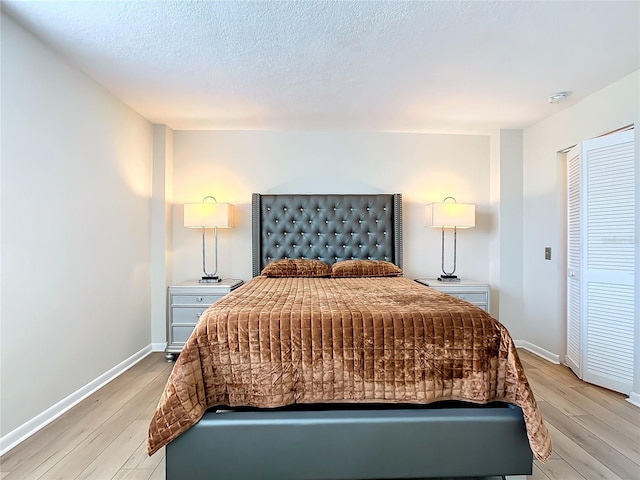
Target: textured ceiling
{"x": 421, "y": 66}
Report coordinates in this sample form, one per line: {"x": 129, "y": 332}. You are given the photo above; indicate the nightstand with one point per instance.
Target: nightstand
{"x": 185, "y": 303}
{"x": 473, "y": 292}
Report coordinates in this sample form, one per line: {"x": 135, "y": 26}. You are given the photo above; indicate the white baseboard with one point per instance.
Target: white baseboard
{"x": 158, "y": 347}
{"x": 24, "y": 431}
{"x": 634, "y": 398}
{"x": 539, "y": 351}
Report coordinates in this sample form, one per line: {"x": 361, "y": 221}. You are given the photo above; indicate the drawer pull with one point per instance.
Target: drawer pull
{"x": 199, "y": 299}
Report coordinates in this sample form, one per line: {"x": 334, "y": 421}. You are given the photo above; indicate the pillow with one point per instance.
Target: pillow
{"x": 365, "y": 268}
{"x": 297, "y": 267}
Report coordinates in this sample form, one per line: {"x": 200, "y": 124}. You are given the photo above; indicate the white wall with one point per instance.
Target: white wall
{"x": 511, "y": 232}
{"x": 544, "y": 202}
{"x": 424, "y": 168}
{"x": 161, "y": 232}
{"x": 76, "y": 175}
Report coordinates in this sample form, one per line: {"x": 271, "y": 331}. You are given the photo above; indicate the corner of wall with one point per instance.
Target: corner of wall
{"x": 511, "y": 231}
{"x": 161, "y": 228}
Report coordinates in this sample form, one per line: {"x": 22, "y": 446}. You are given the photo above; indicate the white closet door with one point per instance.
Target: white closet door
{"x": 608, "y": 252}
{"x": 574, "y": 350}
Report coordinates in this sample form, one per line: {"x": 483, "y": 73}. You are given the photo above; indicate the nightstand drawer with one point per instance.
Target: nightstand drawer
{"x": 472, "y": 297}
{"x": 187, "y": 315}
{"x": 180, "y": 334}
{"x": 194, "y": 299}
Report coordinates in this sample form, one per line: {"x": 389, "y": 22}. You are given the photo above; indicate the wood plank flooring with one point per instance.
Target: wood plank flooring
{"x": 595, "y": 432}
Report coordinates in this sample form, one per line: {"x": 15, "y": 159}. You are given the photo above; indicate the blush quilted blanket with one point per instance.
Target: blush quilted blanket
{"x": 281, "y": 341}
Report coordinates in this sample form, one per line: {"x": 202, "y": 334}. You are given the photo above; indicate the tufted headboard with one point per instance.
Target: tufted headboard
{"x": 326, "y": 227}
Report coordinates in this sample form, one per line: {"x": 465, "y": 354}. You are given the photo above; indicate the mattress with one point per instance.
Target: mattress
{"x": 285, "y": 341}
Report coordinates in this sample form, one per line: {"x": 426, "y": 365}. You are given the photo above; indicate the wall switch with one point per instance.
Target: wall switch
{"x": 547, "y": 253}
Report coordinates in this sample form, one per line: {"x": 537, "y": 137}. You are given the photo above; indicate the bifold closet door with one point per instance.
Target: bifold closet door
{"x": 574, "y": 320}
{"x": 608, "y": 256}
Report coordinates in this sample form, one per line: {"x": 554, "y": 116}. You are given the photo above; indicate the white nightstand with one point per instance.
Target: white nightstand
{"x": 473, "y": 292}
{"x": 186, "y": 302}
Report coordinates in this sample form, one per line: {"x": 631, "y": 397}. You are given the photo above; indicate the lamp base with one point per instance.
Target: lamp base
{"x": 448, "y": 278}
{"x": 210, "y": 279}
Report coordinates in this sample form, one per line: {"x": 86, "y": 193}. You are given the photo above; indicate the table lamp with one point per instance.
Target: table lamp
{"x": 450, "y": 215}
{"x": 208, "y": 215}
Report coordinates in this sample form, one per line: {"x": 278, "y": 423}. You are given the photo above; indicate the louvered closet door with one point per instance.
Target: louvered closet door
{"x": 608, "y": 253}
{"x": 574, "y": 351}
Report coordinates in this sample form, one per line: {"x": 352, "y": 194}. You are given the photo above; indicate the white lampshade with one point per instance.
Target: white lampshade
{"x": 208, "y": 215}
{"x": 450, "y": 215}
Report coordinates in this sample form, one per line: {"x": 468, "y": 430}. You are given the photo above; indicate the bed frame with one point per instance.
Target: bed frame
{"x": 331, "y": 442}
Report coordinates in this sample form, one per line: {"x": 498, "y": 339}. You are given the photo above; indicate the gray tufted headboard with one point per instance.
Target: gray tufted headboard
{"x": 326, "y": 227}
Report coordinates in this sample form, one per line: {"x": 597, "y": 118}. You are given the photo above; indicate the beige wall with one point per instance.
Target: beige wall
{"x": 76, "y": 177}
{"x": 544, "y": 203}
{"x": 424, "y": 168}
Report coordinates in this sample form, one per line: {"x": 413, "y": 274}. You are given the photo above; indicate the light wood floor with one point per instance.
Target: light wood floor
{"x": 595, "y": 432}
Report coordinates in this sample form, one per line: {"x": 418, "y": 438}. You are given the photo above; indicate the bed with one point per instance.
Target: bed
{"x": 316, "y": 377}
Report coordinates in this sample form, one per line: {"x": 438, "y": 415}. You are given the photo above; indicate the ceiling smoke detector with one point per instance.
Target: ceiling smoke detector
{"x": 558, "y": 97}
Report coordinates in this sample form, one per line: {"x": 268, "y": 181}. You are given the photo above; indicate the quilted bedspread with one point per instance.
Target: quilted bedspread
{"x": 281, "y": 341}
